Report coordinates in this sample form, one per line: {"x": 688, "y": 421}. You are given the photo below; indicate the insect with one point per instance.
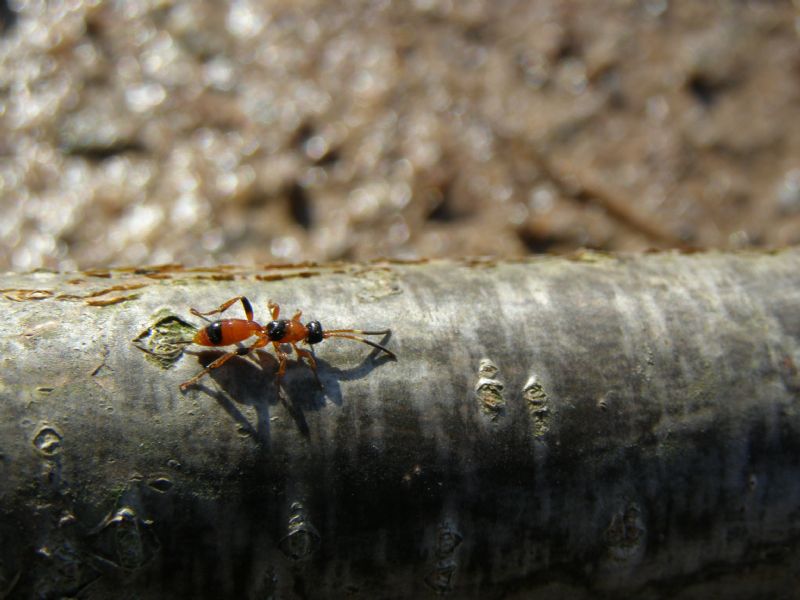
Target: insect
{"x": 226, "y": 332}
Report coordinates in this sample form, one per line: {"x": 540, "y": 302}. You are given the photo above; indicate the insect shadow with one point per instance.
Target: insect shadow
{"x": 250, "y": 380}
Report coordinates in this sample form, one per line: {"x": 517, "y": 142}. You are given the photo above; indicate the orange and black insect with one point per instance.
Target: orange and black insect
{"x": 226, "y": 332}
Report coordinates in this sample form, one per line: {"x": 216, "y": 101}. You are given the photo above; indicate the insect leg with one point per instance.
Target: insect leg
{"x": 274, "y": 310}
{"x": 223, "y": 359}
{"x": 312, "y": 363}
{"x": 281, "y": 367}
{"x": 248, "y": 308}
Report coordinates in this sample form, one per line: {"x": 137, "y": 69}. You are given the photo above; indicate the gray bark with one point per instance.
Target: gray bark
{"x": 594, "y": 427}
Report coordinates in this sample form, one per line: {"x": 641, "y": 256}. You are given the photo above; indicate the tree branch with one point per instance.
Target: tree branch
{"x": 600, "y": 426}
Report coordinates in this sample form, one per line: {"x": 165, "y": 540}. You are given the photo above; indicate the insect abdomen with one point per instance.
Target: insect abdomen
{"x": 225, "y": 332}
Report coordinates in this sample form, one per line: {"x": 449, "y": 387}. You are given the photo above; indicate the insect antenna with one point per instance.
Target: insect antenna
{"x": 361, "y": 331}
{"x": 347, "y": 333}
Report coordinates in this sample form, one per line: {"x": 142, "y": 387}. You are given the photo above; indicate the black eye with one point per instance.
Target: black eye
{"x": 314, "y": 332}
{"x": 214, "y": 332}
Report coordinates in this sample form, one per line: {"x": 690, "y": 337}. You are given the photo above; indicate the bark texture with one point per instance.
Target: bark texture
{"x": 566, "y": 428}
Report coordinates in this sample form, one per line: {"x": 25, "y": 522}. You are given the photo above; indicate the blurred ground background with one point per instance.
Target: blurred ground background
{"x": 278, "y": 131}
